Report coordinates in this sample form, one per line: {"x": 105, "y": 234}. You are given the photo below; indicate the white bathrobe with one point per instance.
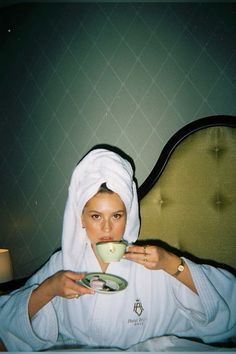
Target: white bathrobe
{"x": 154, "y": 303}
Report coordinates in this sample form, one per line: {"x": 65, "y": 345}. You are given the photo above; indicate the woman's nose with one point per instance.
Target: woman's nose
{"x": 107, "y": 226}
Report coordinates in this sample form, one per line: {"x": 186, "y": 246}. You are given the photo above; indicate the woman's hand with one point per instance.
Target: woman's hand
{"x": 62, "y": 283}
{"x": 152, "y": 257}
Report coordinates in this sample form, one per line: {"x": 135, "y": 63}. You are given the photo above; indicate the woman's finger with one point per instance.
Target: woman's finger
{"x": 74, "y": 275}
{"x": 138, "y": 249}
{"x": 137, "y": 257}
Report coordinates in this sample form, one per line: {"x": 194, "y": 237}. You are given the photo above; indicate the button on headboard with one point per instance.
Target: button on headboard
{"x": 189, "y": 199}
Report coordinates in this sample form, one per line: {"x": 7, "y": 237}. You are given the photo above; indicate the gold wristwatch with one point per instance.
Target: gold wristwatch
{"x": 180, "y": 268}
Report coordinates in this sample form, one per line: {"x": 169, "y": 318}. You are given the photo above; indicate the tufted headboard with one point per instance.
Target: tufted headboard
{"x": 189, "y": 199}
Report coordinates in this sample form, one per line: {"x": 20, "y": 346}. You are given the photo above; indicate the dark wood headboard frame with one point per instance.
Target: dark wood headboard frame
{"x": 184, "y": 132}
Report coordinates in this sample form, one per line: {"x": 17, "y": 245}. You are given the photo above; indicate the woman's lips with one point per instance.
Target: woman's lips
{"x": 105, "y": 239}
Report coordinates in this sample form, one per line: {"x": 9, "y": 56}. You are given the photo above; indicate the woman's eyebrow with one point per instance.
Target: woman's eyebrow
{"x": 94, "y": 211}
{"x": 100, "y": 212}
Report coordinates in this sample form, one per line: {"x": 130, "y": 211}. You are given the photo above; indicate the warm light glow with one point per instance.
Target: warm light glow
{"x": 6, "y": 271}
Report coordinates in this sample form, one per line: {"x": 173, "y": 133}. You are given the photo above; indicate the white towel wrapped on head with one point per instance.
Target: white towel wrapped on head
{"x": 97, "y": 167}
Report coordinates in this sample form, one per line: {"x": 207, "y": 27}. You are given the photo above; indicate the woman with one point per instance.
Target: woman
{"x": 166, "y": 295}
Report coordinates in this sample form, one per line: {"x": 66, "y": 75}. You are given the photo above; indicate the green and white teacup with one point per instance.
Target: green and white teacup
{"x": 111, "y": 251}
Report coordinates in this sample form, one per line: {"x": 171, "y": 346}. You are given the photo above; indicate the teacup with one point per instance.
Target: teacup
{"x": 111, "y": 251}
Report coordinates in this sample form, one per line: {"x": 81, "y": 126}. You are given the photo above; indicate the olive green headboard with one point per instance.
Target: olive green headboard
{"x": 189, "y": 199}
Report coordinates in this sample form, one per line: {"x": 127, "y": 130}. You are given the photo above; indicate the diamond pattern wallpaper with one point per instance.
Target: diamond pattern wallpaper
{"x": 74, "y": 75}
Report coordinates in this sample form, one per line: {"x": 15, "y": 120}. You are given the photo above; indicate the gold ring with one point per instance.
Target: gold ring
{"x": 144, "y": 249}
{"x": 77, "y": 296}
{"x": 145, "y": 258}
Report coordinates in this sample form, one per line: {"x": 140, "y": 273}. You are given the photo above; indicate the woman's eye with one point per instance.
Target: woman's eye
{"x": 117, "y": 216}
{"x": 95, "y": 216}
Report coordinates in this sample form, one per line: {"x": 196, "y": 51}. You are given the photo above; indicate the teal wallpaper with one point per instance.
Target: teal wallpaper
{"x": 77, "y": 74}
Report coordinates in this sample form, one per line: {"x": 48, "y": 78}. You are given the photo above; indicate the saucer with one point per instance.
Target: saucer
{"x": 104, "y": 283}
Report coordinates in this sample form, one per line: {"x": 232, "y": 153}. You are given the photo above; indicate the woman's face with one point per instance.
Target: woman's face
{"x": 104, "y": 218}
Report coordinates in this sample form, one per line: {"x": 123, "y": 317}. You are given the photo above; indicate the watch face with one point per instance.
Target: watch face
{"x": 180, "y": 268}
